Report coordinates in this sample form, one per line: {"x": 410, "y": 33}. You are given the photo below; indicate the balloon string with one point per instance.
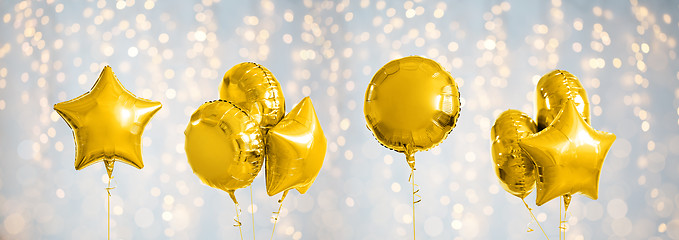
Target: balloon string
{"x": 278, "y": 213}
{"x": 411, "y": 179}
{"x": 252, "y": 210}
{"x": 237, "y": 221}
{"x": 416, "y": 188}
{"x": 530, "y": 210}
{"x": 560, "y": 219}
{"x": 108, "y": 207}
{"x": 564, "y": 222}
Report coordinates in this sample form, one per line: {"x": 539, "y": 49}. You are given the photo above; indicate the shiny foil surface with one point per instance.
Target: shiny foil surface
{"x": 514, "y": 168}
{"x": 411, "y": 104}
{"x": 224, "y": 146}
{"x": 107, "y": 122}
{"x": 569, "y": 155}
{"x": 295, "y": 149}
{"x": 552, "y": 92}
{"x": 254, "y": 88}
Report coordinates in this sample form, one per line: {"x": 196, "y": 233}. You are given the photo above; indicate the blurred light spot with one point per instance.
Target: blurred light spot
{"x": 143, "y": 218}
{"x": 132, "y": 51}
{"x": 345, "y": 123}
{"x": 349, "y": 201}
{"x": 14, "y": 223}
{"x": 348, "y": 155}
{"x": 395, "y": 187}
{"x": 60, "y": 193}
{"x": 617, "y": 208}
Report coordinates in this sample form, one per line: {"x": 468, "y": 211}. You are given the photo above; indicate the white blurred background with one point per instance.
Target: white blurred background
{"x": 175, "y": 52}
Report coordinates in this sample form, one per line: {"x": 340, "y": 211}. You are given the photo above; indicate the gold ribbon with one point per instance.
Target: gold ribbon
{"x": 278, "y": 213}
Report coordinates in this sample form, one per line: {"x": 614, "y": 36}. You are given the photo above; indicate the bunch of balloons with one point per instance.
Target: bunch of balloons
{"x": 228, "y": 140}
{"x": 561, "y": 154}
{"x": 411, "y": 105}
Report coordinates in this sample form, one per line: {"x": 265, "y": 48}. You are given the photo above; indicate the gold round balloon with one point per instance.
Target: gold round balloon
{"x": 254, "y": 88}
{"x": 107, "y": 123}
{"x": 411, "y": 105}
{"x": 295, "y": 149}
{"x": 224, "y": 146}
{"x": 514, "y": 168}
{"x": 553, "y": 90}
{"x": 569, "y": 155}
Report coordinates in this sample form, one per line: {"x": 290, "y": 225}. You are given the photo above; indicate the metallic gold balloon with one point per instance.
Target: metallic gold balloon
{"x": 569, "y": 155}
{"x": 295, "y": 150}
{"x": 224, "y": 146}
{"x": 253, "y": 88}
{"x": 553, "y": 90}
{"x": 513, "y": 167}
{"x": 411, "y": 105}
{"x": 107, "y": 123}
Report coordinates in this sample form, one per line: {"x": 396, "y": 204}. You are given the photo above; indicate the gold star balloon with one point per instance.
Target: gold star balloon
{"x": 295, "y": 150}
{"x": 513, "y": 167}
{"x": 569, "y": 155}
{"x": 224, "y": 146}
{"x": 254, "y": 88}
{"x": 107, "y": 123}
{"x": 553, "y": 90}
{"x": 411, "y": 105}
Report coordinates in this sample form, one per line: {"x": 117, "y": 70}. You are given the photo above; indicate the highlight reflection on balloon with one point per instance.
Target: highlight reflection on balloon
{"x": 254, "y": 88}
{"x": 553, "y": 90}
{"x": 513, "y": 167}
{"x": 411, "y": 105}
{"x": 224, "y": 146}
{"x": 107, "y": 123}
{"x": 295, "y": 150}
{"x": 569, "y": 155}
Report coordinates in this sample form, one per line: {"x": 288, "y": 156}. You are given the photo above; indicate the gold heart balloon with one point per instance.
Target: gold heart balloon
{"x": 411, "y": 105}
{"x": 513, "y": 167}
{"x": 107, "y": 123}
{"x": 254, "y": 88}
{"x": 224, "y": 146}
{"x": 295, "y": 150}
{"x": 553, "y": 90}
{"x": 569, "y": 155}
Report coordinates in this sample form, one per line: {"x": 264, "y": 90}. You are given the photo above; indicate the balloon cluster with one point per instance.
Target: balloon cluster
{"x": 561, "y": 154}
{"x": 228, "y": 140}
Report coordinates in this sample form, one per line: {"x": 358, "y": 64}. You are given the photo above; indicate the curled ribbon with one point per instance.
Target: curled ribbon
{"x": 237, "y": 222}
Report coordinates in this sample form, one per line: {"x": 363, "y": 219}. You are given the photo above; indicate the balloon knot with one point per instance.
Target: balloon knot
{"x": 410, "y": 159}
